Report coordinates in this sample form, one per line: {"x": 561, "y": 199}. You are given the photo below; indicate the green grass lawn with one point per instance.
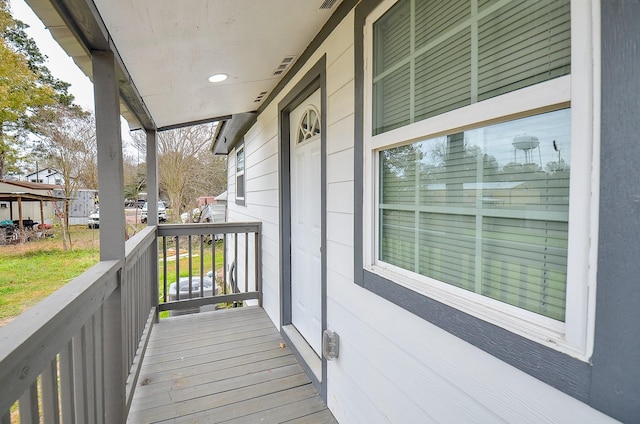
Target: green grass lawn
{"x": 184, "y": 269}
{"x": 27, "y": 279}
{"x": 32, "y": 271}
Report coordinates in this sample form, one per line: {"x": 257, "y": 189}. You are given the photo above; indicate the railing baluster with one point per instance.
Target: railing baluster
{"x": 177, "y": 268}
{"x": 99, "y": 366}
{"x": 136, "y": 307}
{"x": 256, "y": 246}
{"x": 213, "y": 264}
{"x": 89, "y": 372}
{"x": 165, "y": 295}
{"x": 235, "y": 259}
{"x": 225, "y": 262}
{"x": 202, "y": 266}
{"x": 115, "y": 371}
{"x": 29, "y": 413}
{"x": 79, "y": 379}
{"x": 66, "y": 384}
{"x": 246, "y": 262}
{"x": 131, "y": 323}
{"x": 49, "y": 382}
{"x": 190, "y": 267}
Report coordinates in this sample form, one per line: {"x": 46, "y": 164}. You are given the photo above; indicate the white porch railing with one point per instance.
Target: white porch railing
{"x": 58, "y": 358}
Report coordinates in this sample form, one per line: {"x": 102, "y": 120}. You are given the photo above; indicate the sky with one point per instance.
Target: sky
{"x": 60, "y": 64}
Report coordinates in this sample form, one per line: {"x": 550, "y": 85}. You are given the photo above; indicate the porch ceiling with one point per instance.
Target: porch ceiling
{"x": 169, "y": 49}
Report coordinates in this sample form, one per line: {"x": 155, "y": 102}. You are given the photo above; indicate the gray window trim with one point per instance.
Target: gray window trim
{"x": 615, "y": 378}
{"x": 610, "y": 382}
{"x": 557, "y": 369}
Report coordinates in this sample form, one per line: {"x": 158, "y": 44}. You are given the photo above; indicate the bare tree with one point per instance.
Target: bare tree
{"x": 68, "y": 144}
{"x": 186, "y": 167}
{"x": 214, "y": 174}
{"x": 135, "y": 176}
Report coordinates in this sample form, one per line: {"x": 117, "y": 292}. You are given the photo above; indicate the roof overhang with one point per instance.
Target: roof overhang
{"x": 28, "y": 197}
{"x": 79, "y": 29}
{"x": 166, "y": 50}
{"x": 231, "y": 132}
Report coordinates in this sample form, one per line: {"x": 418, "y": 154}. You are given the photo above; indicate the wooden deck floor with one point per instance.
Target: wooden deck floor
{"x": 226, "y": 366}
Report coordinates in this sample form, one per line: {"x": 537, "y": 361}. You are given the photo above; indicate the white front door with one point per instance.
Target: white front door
{"x": 306, "y": 221}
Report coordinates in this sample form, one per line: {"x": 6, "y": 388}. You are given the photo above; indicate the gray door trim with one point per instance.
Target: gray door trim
{"x": 314, "y": 79}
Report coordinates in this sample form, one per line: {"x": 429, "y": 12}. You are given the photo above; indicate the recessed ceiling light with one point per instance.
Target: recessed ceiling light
{"x": 217, "y": 78}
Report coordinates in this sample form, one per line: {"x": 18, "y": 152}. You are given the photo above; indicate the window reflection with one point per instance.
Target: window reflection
{"x": 518, "y": 164}
{"x": 485, "y": 210}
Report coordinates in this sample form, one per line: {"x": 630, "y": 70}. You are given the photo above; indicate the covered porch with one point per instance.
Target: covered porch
{"x": 101, "y": 349}
{"x": 97, "y": 351}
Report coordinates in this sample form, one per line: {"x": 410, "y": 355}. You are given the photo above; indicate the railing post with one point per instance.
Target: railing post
{"x": 153, "y": 273}
{"x": 259, "y": 263}
{"x": 152, "y": 213}
{"x": 112, "y": 227}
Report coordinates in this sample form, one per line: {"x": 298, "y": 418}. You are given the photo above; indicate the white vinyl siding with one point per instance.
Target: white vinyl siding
{"x": 413, "y": 371}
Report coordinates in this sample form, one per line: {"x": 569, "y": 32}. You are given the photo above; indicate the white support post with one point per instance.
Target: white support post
{"x": 112, "y": 225}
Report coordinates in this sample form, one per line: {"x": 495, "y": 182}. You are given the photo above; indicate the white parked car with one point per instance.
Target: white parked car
{"x": 94, "y": 219}
{"x": 162, "y": 212}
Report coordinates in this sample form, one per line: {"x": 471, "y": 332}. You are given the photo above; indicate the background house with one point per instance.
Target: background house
{"x": 45, "y": 176}
{"x": 84, "y": 201}
{"x": 213, "y": 208}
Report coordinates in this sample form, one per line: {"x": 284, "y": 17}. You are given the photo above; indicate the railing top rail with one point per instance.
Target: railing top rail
{"x": 208, "y": 228}
{"x": 31, "y": 340}
{"x": 137, "y": 245}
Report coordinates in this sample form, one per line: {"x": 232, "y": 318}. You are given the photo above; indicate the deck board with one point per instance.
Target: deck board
{"x": 223, "y": 366}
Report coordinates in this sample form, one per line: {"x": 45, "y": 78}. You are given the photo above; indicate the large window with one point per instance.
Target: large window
{"x": 478, "y": 162}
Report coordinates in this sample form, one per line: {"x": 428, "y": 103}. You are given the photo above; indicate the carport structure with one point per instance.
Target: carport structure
{"x": 19, "y": 197}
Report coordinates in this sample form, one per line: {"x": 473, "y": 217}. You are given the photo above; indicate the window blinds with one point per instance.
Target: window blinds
{"x": 431, "y": 56}
{"x": 485, "y": 210}
{"x": 392, "y": 53}
{"x": 521, "y": 44}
